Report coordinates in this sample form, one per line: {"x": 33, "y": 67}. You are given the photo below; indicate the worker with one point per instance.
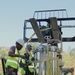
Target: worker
{"x": 12, "y": 62}
{"x": 26, "y": 64}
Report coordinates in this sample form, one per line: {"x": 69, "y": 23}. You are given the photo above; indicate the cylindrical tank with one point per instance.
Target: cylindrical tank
{"x": 44, "y": 51}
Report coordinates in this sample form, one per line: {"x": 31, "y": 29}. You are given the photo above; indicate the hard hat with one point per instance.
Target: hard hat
{"x": 20, "y": 41}
{"x": 29, "y": 47}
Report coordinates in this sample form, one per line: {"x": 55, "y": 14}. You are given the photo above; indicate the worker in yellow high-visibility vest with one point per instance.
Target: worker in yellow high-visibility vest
{"x": 27, "y": 67}
{"x": 12, "y": 62}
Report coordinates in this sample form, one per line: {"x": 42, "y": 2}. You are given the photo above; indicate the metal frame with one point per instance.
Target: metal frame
{"x": 39, "y": 19}
{"x": 64, "y": 39}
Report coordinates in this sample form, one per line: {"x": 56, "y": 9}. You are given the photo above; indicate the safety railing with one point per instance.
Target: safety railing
{"x": 45, "y": 14}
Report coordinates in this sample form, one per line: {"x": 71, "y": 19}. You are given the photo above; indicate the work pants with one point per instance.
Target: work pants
{"x": 28, "y": 72}
{"x": 11, "y": 71}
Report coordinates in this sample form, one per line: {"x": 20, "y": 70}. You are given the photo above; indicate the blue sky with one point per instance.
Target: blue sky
{"x": 14, "y": 12}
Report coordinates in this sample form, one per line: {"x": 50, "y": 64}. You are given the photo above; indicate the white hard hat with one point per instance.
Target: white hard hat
{"x": 20, "y": 41}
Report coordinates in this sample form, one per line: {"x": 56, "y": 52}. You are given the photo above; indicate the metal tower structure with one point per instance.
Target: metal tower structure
{"x": 49, "y": 23}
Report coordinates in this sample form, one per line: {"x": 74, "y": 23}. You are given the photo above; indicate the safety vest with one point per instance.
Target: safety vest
{"x": 31, "y": 67}
{"x": 13, "y": 61}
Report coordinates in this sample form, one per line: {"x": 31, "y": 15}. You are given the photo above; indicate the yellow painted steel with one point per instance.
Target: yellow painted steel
{"x": 34, "y": 33}
{"x": 43, "y": 60}
{"x": 49, "y": 64}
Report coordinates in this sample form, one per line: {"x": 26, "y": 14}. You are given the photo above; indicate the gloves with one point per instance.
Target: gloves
{"x": 32, "y": 59}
